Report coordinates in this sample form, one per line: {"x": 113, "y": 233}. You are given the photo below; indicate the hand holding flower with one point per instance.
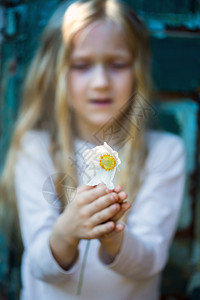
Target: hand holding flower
{"x": 88, "y": 216}
{"x": 90, "y": 213}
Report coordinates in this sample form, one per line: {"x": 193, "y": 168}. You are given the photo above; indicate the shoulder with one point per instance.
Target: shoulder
{"x": 35, "y": 144}
{"x": 34, "y": 137}
{"x": 164, "y": 150}
{"x": 162, "y": 140}
{"x": 34, "y": 154}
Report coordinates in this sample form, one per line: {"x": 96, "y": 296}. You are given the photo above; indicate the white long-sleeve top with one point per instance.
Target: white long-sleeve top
{"x": 135, "y": 272}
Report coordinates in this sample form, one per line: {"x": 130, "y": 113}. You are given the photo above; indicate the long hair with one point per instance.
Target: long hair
{"x": 45, "y": 86}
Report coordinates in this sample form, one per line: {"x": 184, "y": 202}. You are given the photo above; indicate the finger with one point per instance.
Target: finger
{"x": 119, "y": 227}
{"x": 117, "y": 188}
{"x": 101, "y": 230}
{"x": 92, "y": 194}
{"x": 124, "y": 207}
{"x": 123, "y": 196}
{"x": 101, "y": 203}
{"x": 104, "y": 215}
{"x": 84, "y": 188}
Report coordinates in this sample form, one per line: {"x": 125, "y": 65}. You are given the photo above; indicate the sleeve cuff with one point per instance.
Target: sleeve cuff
{"x": 132, "y": 249}
{"x": 122, "y": 253}
{"x": 57, "y": 267}
{"x": 49, "y": 270}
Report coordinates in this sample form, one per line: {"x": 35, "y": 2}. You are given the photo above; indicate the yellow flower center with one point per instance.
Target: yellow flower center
{"x": 107, "y": 162}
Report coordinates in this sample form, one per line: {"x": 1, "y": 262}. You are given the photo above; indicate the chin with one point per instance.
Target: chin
{"x": 99, "y": 122}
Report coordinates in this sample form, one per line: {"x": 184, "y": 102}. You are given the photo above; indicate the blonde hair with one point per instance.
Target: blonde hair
{"x": 45, "y": 86}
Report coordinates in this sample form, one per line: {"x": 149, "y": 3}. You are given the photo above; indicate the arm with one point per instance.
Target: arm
{"x": 153, "y": 217}
{"x": 38, "y": 212}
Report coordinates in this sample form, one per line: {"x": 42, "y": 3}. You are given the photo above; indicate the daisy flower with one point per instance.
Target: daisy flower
{"x": 102, "y": 163}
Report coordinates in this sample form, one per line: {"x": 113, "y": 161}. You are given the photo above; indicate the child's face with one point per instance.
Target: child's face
{"x": 100, "y": 78}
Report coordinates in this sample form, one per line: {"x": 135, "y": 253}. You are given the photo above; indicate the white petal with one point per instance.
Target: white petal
{"x": 118, "y": 161}
{"x": 107, "y": 177}
{"x": 90, "y": 173}
{"x": 100, "y": 149}
{"x": 107, "y": 147}
{"x": 91, "y": 156}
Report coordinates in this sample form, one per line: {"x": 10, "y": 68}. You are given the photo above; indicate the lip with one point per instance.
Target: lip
{"x": 101, "y": 102}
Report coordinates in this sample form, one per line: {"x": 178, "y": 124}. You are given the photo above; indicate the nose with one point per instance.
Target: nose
{"x": 100, "y": 77}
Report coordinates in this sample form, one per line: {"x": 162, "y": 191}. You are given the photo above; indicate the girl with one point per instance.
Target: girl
{"x": 89, "y": 77}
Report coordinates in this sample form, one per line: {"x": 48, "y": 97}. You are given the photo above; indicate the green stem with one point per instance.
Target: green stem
{"x": 80, "y": 282}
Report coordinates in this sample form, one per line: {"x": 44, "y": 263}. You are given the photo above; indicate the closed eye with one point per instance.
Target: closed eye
{"x": 120, "y": 65}
{"x": 80, "y": 66}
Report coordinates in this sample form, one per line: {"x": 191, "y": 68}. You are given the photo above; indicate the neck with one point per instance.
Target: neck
{"x": 112, "y": 133}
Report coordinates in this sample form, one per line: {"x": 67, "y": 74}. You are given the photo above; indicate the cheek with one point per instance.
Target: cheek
{"x": 77, "y": 85}
{"x": 72, "y": 91}
{"x": 130, "y": 79}
{"x": 73, "y": 87}
{"x": 125, "y": 85}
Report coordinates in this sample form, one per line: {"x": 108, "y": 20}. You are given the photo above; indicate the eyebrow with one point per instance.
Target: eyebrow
{"x": 108, "y": 56}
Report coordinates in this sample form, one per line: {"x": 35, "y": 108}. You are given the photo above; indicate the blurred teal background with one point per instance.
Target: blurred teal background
{"x": 175, "y": 39}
